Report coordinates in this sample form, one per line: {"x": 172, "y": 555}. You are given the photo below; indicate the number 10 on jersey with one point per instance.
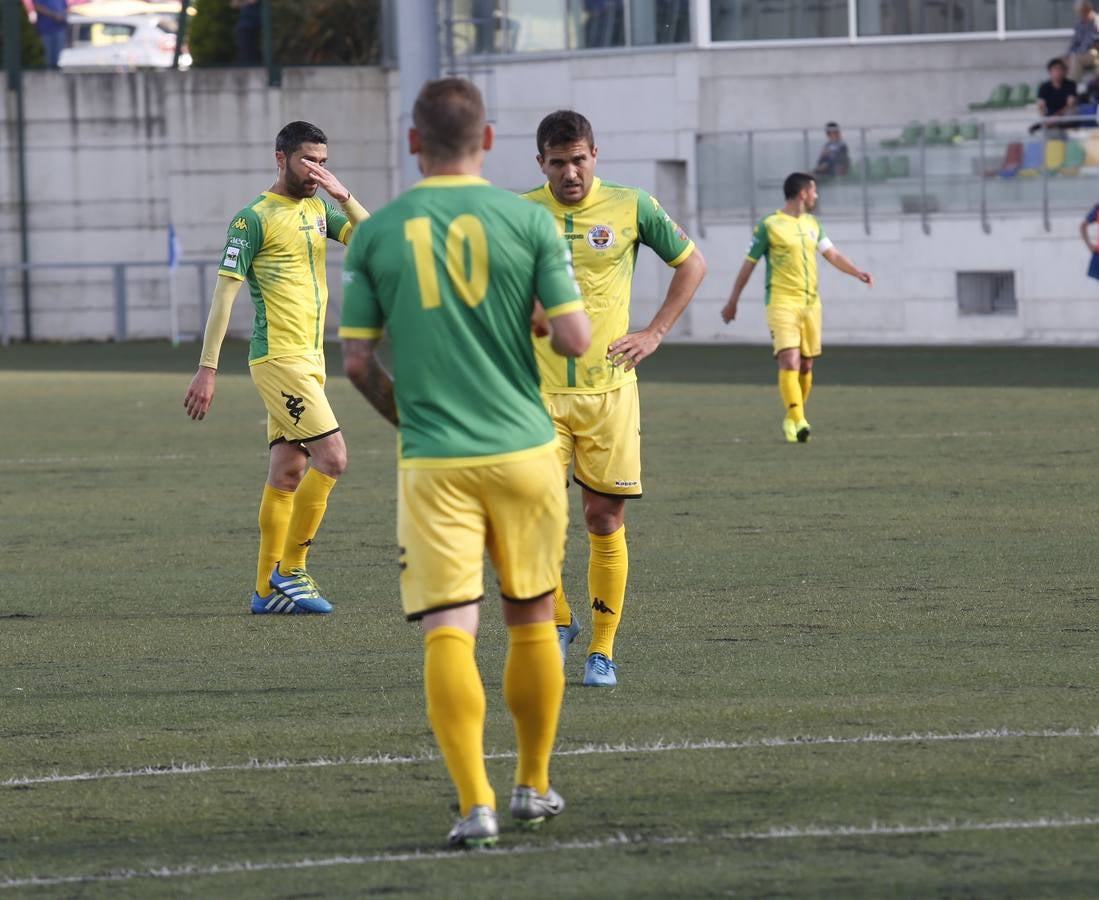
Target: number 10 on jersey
{"x": 465, "y": 233}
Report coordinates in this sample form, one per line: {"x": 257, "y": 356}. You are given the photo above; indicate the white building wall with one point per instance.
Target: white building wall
{"x": 113, "y": 158}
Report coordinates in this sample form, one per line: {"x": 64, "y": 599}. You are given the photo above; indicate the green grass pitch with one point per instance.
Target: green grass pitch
{"x": 862, "y": 667}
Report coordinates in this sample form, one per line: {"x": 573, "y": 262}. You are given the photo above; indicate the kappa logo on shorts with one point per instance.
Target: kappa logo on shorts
{"x": 601, "y": 237}
{"x": 402, "y": 563}
{"x": 626, "y": 483}
{"x": 294, "y": 405}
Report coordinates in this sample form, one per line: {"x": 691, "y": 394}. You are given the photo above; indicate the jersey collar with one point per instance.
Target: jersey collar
{"x": 449, "y": 181}
{"x": 596, "y": 184}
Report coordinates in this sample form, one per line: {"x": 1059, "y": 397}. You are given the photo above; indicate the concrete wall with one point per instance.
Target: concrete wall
{"x": 113, "y": 158}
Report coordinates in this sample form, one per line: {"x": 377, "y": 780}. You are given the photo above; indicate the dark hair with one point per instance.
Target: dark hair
{"x": 796, "y": 183}
{"x": 561, "y": 128}
{"x": 831, "y": 126}
{"x": 449, "y": 116}
{"x": 295, "y": 134}
{"x": 1056, "y": 61}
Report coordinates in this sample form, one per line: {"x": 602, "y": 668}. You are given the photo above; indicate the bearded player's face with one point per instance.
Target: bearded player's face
{"x": 299, "y": 183}
{"x": 809, "y": 197}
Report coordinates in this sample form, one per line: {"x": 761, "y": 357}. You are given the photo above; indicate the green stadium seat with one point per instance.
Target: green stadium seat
{"x": 967, "y": 131}
{"x": 879, "y": 168}
{"x": 1023, "y": 95}
{"x": 909, "y": 136}
{"x": 899, "y": 167}
{"x": 1074, "y": 158}
{"x": 1000, "y": 96}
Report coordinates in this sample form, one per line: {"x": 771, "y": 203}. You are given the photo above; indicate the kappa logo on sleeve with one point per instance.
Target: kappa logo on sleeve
{"x": 239, "y": 224}
{"x": 232, "y": 254}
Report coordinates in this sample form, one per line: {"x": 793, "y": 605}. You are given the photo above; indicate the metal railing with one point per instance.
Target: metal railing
{"x": 972, "y": 168}
{"x": 120, "y": 291}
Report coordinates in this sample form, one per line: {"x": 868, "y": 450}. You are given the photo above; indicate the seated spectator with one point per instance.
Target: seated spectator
{"x": 1056, "y": 97}
{"x": 834, "y": 159}
{"x": 1085, "y": 35}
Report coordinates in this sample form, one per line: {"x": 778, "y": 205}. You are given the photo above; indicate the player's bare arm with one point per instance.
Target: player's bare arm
{"x": 728, "y": 312}
{"x": 628, "y": 351}
{"x": 570, "y": 333}
{"x": 362, "y": 367}
{"x": 539, "y": 321}
{"x": 845, "y": 265}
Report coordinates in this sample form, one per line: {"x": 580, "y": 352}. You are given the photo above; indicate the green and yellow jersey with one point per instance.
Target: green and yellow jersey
{"x": 451, "y": 269}
{"x": 278, "y": 245}
{"x": 604, "y": 232}
{"x": 790, "y": 244}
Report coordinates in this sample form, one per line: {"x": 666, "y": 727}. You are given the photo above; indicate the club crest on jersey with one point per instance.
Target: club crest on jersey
{"x": 322, "y": 228}
{"x": 600, "y": 237}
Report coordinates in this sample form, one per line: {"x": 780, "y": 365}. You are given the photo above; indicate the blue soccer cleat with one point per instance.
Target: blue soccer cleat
{"x": 566, "y": 634}
{"x": 299, "y": 589}
{"x": 599, "y": 671}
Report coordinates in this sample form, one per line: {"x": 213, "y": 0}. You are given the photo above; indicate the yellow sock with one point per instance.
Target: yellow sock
{"x": 534, "y": 686}
{"x": 791, "y": 394}
{"x": 805, "y": 380}
{"x": 310, "y": 502}
{"x": 456, "y": 711}
{"x": 607, "y": 570}
{"x": 562, "y": 615}
{"x": 274, "y": 518}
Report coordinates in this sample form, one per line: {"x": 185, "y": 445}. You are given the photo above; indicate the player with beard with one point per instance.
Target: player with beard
{"x": 277, "y": 245}
{"x": 790, "y": 238}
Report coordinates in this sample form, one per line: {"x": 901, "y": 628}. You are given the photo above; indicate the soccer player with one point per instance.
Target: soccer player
{"x": 790, "y": 238}
{"x": 277, "y": 244}
{"x": 451, "y": 269}
{"x": 593, "y": 400}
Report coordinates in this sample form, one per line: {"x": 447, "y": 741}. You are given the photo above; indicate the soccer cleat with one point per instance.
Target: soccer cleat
{"x": 530, "y": 809}
{"x": 566, "y": 634}
{"x": 599, "y": 671}
{"x": 803, "y": 431}
{"x": 790, "y": 430}
{"x": 301, "y": 590}
{"x": 478, "y": 829}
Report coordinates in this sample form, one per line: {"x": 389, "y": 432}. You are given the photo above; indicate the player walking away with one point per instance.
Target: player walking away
{"x": 451, "y": 269}
{"x": 277, "y": 244}
{"x": 593, "y": 400}
{"x": 790, "y": 238}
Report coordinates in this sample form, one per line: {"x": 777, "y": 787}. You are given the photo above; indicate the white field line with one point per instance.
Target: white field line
{"x": 778, "y": 832}
{"x": 202, "y": 768}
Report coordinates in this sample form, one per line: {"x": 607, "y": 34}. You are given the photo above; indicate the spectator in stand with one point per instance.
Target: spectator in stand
{"x": 1056, "y": 97}
{"x": 834, "y": 159}
{"x": 52, "y": 24}
{"x": 1090, "y": 219}
{"x": 1085, "y": 35}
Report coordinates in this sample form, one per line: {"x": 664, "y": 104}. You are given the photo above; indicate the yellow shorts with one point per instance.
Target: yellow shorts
{"x": 795, "y": 326}
{"x": 446, "y": 518}
{"x": 600, "y": 434}
{"x": 292, "y": 388}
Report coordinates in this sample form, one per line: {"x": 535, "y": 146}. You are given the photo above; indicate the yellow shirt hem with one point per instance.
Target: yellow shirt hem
{"x": 466, "y": 462}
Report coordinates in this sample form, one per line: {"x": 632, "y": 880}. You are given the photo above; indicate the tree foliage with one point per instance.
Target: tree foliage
{"x": 34, "y": 56}
{"x": 305, "y": 32}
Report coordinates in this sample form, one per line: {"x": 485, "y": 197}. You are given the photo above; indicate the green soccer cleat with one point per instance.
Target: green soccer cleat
{"x": 790, "y": 430}
{"x": 477, "y": 830}
{"x": 803, "y": 431}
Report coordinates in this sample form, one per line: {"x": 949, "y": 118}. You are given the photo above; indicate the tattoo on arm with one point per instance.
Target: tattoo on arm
{"x": 374, "y": 382}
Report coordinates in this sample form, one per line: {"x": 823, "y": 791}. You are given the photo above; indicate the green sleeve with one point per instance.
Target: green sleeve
{"x": 362, "y": 315}
{"x": 334, "y": 220}
{"x": 759, "y": 241}
{"x": 656, "y": 229}
{"x": 554, "y": 279}
{"x": 242, "y": 243}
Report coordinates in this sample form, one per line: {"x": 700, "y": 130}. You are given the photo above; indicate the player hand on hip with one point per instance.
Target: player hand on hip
{"x": 630, "y": 349}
